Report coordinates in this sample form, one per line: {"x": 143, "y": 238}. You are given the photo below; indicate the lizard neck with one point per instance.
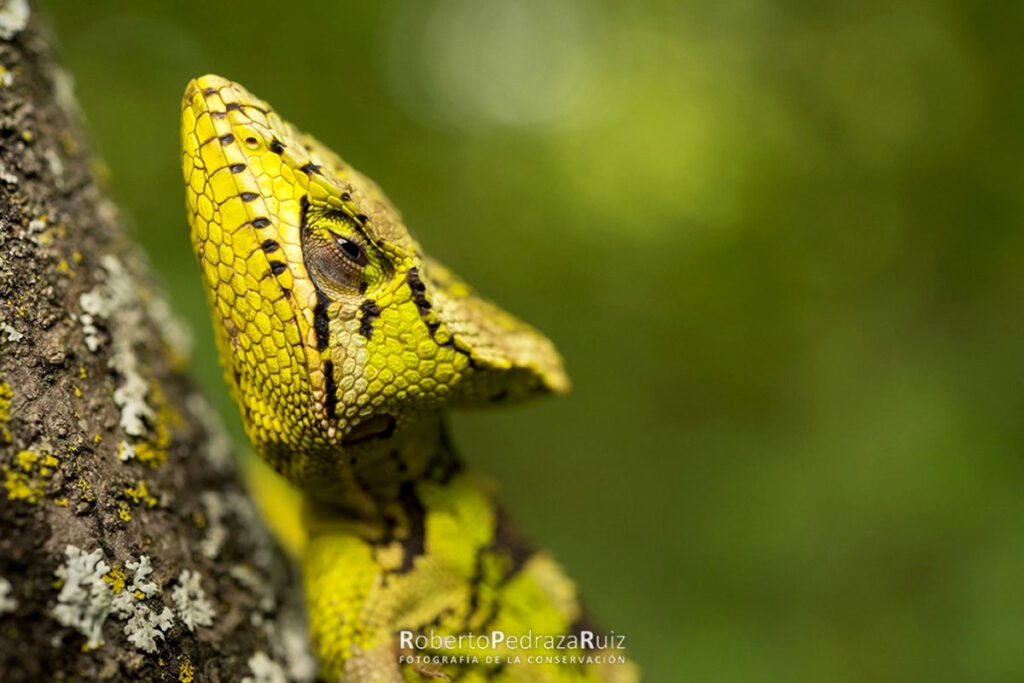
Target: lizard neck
{"x": 384, "y": 474}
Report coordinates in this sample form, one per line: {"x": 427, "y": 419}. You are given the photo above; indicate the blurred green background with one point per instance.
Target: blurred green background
{"x": 779, "y": 244}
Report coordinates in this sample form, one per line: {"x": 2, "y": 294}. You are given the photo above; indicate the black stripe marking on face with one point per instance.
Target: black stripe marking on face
{"x": 330, "y": 388}
{"x": 321, "y": 323}
{"x": 419, "y": 291}
{"x": 370, "y": 312}
{"x": 423, "y": 306}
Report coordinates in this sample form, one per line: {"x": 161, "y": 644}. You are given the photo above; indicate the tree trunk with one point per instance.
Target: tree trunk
{"x": 128, "y": 549}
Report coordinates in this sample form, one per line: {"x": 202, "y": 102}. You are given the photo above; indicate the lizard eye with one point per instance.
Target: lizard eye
{"x": 351, "y": 250}
{"x": 337, "y": 258}
{"x": 336, "y": 263}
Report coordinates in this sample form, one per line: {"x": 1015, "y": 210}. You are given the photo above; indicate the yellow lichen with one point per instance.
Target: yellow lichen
{"x": 140, "y": 494}
{"x": 60, "y": 502}
{"x": 97, "y": 438}
{"x": 26, "y": 480}
{"x": 87, "y": 494}
{"x": 68, "y": 142}
{"x": 116, "y": 578}
{"x": 47, "y": 464}
{"x": 82, "y": 372}
{"x": 6, "y": 394}
{"x": 150, "y": 455}
{"x": 26, "y": 460}
{"x": 186, "y": 674}
{"x": 124, "y": 512}
{"x": 20, "y": 487}
{"x": 154, "y": 452}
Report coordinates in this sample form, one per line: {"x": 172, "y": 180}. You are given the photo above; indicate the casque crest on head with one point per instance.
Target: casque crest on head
{"x": 335, "y": 331}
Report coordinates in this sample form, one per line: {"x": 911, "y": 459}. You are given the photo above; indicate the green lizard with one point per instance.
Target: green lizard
{"x": 342, "y": 344}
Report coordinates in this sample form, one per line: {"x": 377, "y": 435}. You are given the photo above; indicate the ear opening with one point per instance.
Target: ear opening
{"x": 511, "y": 360}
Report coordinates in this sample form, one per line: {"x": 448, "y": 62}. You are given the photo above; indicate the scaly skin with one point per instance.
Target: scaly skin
{"x": 342, "y": 343}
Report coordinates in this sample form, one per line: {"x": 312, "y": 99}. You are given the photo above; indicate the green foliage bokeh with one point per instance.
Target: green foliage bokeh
{"x": 779, "y": 244}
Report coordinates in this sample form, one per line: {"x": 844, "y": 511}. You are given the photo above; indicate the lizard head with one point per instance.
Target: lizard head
{"x": 337, "y": 335}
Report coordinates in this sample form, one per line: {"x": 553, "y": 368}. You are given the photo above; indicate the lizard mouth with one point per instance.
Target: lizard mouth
{"x": 375, "y": 427}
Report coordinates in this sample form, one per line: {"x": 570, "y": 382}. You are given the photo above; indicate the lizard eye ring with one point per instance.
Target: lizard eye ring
{"x": 335, "y": 263}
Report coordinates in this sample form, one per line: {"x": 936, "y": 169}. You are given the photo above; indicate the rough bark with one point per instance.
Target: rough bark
{"x": 128, "y": 549}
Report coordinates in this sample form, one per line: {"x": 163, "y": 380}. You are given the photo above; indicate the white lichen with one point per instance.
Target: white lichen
{"x": 141, "y": 571}
{"x": 6, "y": 176}
{"x": 286, "y": 628}
{"x": 13, "y": 18}
{"x": 216, "y": 532}
{"x": 294, "y": 646}
{"x": 218, "y": 442}
{"x": 263, "y": 550}
{"x": 54, "y": 162}
{"x": 265, "y": 670}
{"x": 85, "y": 598}
{"x": 64, "y": 93}
{"x": 91, "y": 332}
{"x": 193, "y": 607}
{"x": 116, "y": 301}
{"x": 255, "y": 584}
{"x": 125, "y": 451}
{"x": 130, "y": 397}
{"x": 172, "y": 329}
{"x": 12, "y": 334}
{"x": 7, "y": 603}
{"x": 145, "y": 625}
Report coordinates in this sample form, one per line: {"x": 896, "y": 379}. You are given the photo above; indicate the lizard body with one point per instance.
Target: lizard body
{"x": 342, "y": 344}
